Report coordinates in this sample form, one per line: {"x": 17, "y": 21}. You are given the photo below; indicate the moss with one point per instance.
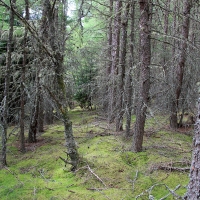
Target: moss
{"x": 40, "y": 174}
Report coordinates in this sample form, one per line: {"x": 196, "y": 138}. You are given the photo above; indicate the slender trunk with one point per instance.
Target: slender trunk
{"x": 173, "y": 109}
{"x": 60, "y": 100}
{"x": 48, "y": 113}
{"x": 110, "y": 39}
{"x": 41, "y": 114}
{"x": 3, "y": 161}
{"x": 166, "y": 25}
{"x": 129, "y": 88}
{"x": 193, "y": 190}
{"x": 145, "y": 58}
{"x": 22, "y": 116}
{"x": 122, "y": 65}
{"x": 35, "y": 110}
{"x": 182, "y": 58}
{"x": 109, "y": 56}
{"x": 129, "y": 92}
{"x": 115, "y": 61}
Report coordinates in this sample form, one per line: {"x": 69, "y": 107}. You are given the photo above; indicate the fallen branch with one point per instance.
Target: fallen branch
{"x": 171, "y": 192}
{"x": 96, "y": 189}
{"x": 170, "y": 168}
{"x": 134, "y": 180}
{"x": 66, "y": 161}
{"x": 149, "y": 190}
{"x": 95, "y": 175}
{"x": 92, "y": 172}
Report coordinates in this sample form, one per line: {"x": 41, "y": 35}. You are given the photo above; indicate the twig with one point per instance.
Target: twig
{"x": 171, "y": 192}
{"x": 96, "y": 189}
{"x": 169, "y": 168}
{"x": 14, "y": 174}
{"x": 95, "y": 175}
{"x": 134, "y": 180}
{"x": 149, "y": 190}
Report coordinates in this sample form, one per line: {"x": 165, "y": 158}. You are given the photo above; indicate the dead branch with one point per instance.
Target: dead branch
{"x": 149, "y": 190}
{"x": 171, "y": 192}
{"x": 134, "y": 180}
{"x": 92, "y": 172}
{"x": 65, "y": 161}
{"x": 96, "y": 175}
{"x": 96, "y": 189}
{"x": 14, "y": 174}
{"x": 170, "y": 166}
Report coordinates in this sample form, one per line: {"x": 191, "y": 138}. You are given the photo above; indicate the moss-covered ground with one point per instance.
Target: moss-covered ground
{"x": 108, "y": 169}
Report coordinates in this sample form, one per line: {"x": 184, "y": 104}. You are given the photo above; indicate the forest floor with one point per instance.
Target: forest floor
{"x": 108, "y": 170}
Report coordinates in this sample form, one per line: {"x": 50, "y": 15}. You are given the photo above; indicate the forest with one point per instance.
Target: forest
{"x": 99, "y": 99}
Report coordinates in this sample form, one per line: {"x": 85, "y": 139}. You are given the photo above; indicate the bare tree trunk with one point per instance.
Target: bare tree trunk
{"x": 22, "y": 116}
{"x": 182, "y": 59}
{"x": 173, "y": 108}
{"x": 110, "y": 39}
{"x": 60, "y": 99}
{"x": 145, "y": 59}
{"x": 122, "y": 65}
{"x": 193, "y": 190}
{"x": 3, "y": 161}
{"x": 129, "y": 89}
{"x": 109, "y": 56}
{"x": 34, "y": 115}
{"x": 41, "y": 114}
{"x": 115, "y": 61}
{"x": 166, "y": 26}
{"x": 48, "y": 113}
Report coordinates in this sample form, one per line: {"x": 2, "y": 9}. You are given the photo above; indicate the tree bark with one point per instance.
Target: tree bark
{"x": 22, "y": 114}
{"x": 60, "y": 99}
{"x": 115, "y": 61}
{"x": 129, "y": 89}
{"x": 122, "y": 65}
{"x": 3, "y": 160}
{"x": 181, "y": 63}
{"x": 33, "y": 127}
{"x": 193, "y": 190}
{"x": 145, "y": 59}
{"x": 41, "y": 114}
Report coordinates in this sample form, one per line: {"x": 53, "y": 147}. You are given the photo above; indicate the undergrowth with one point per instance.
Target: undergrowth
{"x": 108, "y": 168}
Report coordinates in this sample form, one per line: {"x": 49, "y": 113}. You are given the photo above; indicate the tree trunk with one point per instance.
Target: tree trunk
{"x": 129, "y": 89}
{"x": 129, "y": 92}
{"x": 181, "y": 63}
{"x": 145, "y": 58}
{"x": 122, "y": 65}
{"x": 166, "y": 26}
{"x": 41, "y": 114}
{"x": 22, "y": 116}
{"x": 193, "y": 190}
{"x": 34, "y": 115}
{"x": 3, "y": 161}
{"x": 105, "y": 101}
{"x": 48, "y": 113}
{"x": 115, "y": 62}
{"x": 60, "y": 99}
{"x": 72, "y": 152}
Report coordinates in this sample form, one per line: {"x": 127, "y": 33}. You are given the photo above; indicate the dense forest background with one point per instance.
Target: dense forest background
{"x": 124, "y": 62}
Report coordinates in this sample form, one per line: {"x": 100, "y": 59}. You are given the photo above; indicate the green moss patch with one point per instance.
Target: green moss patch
{"x": 108, "y": 169}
